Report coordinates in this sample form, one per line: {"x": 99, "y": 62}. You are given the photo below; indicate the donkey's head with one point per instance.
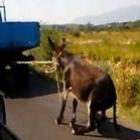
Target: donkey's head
{"x": 57, "y": 50}
{"x": 62, "y": 57}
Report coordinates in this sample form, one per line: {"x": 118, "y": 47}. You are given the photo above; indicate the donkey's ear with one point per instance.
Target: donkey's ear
{"x": 51, "y": 42}
{"x": 63, "y": 43}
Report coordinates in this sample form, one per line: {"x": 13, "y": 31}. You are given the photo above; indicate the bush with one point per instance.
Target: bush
{"x": 127, "y": 80}
{"x": 77, "y": 34}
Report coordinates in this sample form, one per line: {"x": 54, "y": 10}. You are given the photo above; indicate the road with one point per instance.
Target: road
{"x": 31, "y": 116}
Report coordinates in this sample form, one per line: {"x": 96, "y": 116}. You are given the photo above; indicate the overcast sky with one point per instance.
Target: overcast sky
{"x": 61, "y": 11}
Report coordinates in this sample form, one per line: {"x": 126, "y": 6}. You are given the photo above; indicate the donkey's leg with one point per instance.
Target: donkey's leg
{"x": 63, "y": 107}
{"x": 103, "y": 116}
{"x": 74, "y": 108}
{"x": 91, "y": 115}
{"x": 91, "y": 121}
{"x": 100, "y": 118}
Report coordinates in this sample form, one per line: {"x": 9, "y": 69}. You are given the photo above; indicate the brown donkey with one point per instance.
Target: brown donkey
{"x": 88, "y": 83}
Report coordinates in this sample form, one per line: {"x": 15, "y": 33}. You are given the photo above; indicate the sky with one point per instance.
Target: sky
{"x": 60, "y": 11}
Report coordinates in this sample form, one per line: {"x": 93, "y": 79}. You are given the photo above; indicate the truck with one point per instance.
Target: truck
{"x": 15, "y": 38}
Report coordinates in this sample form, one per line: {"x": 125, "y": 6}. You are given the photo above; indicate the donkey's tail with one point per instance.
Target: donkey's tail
{"x": 116, "y": 126}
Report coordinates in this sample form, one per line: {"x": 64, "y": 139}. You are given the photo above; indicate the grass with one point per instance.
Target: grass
{"x": 106, "y": 45}
{"x": 132, "y": 114}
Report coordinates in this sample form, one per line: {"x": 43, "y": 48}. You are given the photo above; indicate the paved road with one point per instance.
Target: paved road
{"x": 32, "y": 116}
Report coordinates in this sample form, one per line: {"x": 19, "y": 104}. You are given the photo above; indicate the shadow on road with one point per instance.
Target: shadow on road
{"x": 107, "y": 131}
{"x": 39, "y": 85}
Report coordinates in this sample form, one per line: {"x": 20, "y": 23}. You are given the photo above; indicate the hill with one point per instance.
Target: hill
{"x": 119, "y": 15}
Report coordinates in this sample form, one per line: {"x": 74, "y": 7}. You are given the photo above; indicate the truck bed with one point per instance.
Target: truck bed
{"x": 15, "y": 36}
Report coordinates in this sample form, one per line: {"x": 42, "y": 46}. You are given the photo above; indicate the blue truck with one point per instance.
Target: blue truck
{"x": 16, "y": 37}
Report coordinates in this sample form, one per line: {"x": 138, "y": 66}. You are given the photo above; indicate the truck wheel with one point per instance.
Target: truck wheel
{"x": 3, "y": 112}
{"x": 2, "y": 77}
{"x": 21, "y": 76}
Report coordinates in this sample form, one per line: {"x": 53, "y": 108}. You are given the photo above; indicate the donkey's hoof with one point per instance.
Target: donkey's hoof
{"x": 72, "y": 123}
{"x": 58, "y": 121}
{"x": 74, "y": 132}
{"x": 117, "y": 128}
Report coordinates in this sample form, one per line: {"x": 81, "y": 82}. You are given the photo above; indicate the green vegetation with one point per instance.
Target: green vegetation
{"x": 116, "y": 26}
{"x": 116, "y": 51}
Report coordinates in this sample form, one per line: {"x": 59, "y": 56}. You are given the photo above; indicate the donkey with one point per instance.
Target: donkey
{"x": 88, "y": 84}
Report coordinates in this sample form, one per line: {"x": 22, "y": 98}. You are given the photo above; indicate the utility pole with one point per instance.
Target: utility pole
{"x": 2, "y": 6}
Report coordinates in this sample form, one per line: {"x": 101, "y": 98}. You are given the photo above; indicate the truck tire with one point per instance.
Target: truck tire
{"x": 2, "y": 77}
{"x": 21, "y": 76}
{"x": 3, "y": 115}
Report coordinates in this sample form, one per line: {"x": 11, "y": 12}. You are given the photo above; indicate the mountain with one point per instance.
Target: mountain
{"x": 131, "y": 13}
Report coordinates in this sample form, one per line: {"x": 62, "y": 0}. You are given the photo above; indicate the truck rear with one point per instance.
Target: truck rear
{"x": 16, "y": 37}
